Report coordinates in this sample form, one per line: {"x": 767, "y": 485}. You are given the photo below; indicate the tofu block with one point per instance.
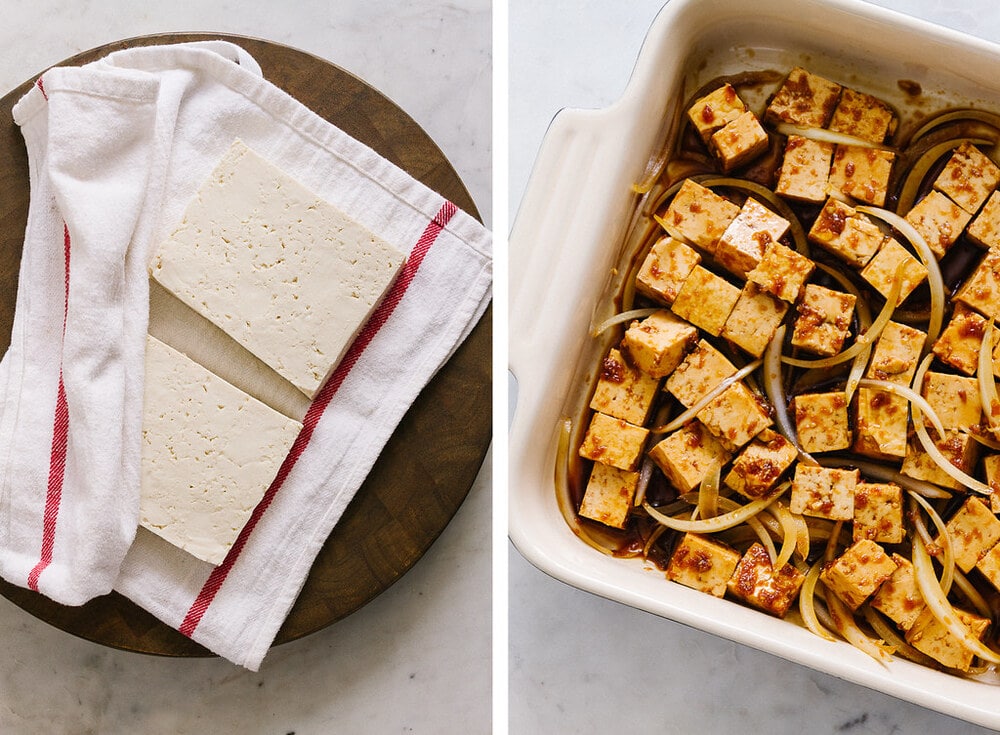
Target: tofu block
{"x": 686, "y": 455}
{"x": 754, "y": 320}
{"x": 757, "y": 583}
{"x": 881, "y": 270}
{"x": 989, "y": 566}
{"x": 735, "y": 416}
{"x": 981, "y": 291}
{"x": 309, "y": 276}
{"x": 960, "y": 449}
{"x": 849, "y": 235}
{"x": 821, "y": 421}
{"x": 209, "y": 453}
{"x": 824, "y": 492}
{"x": 804, "y": 99}
{"x": 805, "y": 170}
{"x": 713, "y": 111}
{"x": 858, "y": 572}
{"x": 747, "y": 237}
{"x": 862, "y": 173}
{"x": 698, "y": 215}
{"x": 899, "y": 597}
{"x": 881, "y": 424}
{"x": 658, "y": 343}
{"x": 984, "y": 229}
{"x": 878, "y": 512}
{"x": 665, "y": 269}
{"x": 609, "y": 494}
{"x": 959, "y": 343}
{"x": 863, "y": 116}
{"x": 623, "y": 390}
{"x": 991, "y": 465}
{"x": 974, "y": 530}
{"x": 968, "y": 178}
{"x": 703, "y": 369}
{"x": 614, "y": 442}
{"x": 782, "y": 272}
{"x": 939, "y": 221}
{"x": 823, "y": 320}
{"x": 706, "y": 300}
{"x": 930, "y": 637}
{"x": 757, "y": 469}
{"x": 739, "y": 142}
{"x": 954, "y": 398}
{"x": 702, "y": 564}
{"x": 897, "y": 353}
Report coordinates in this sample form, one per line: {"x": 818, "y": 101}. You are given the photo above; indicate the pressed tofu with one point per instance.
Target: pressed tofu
{"x": 878, "y": 512}
{"x": 881, "y": 424}
{"x": 899, "y": 597}
{"x": 658, "y": 343}
{"x": 841, "y": 230}
{"x": 782, "y": 272}
{"x": 686, "y": 456}
{"x": 959, "y": 343}
{"x": 665, "y": 269}
{"x": 881, "y": 270}
{"x": 824, "y": 492}
{"x": 735, "y": 416}
{"x": 805, "y": 170}
{"x": 958, "y": 447}
{"x": 747, "y": 238}
{"x": 974, "y": 530}
{"x": 897, "y": 353}
{"x": 821, "y": 421}
{"x": 929, "y": 636}
{"x": 702, "y": 564}
{"x": 739, "y": 142}
{"x": 756, "y": 582}
{"x": 984, "y": 230}
{"x": 706, "y": 300}
{"x": 754, "y": 320}
{"x": 991, "y": 465}
{"x": 698, "y": 215}
{"x": 981, "y": 291}
{"x": 609, "y": 494}
{"x": 804, "y": 99}
{"x": 760, "y": 465}
{"x": 614, "y": 442}
{"x": 703, "y": 369}
{"x": 939, "y": 221}
{"x": 623, "y": 391}
{"x": 713, "y": 111}
{"x": 863, "y": 116}
{"x": 858, "y": 572}
{"x": 862, "y": 173}
{"x": 209, "y": 453}
{"x": 308, "y": 275}
{"x": 989, "y": 565}
{"x": 968, "y": 178}
{"x": 823, "y": 320}
{"x": 954, "y": 398}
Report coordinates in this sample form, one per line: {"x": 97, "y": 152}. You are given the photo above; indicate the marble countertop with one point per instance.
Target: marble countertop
{"x": 416, "y": 659}
{"x": 582, "y": 664}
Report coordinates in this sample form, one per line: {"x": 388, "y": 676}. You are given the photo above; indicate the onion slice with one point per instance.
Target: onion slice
{"x": 708, "y": 491}
{"x": 625, "y": 316}
{"x": 824, "y": 135}
{"x": 790, "y": 534}
{"x": 910, "y": 395}
{"x": 987, "y": 384}
{"x": 887, "y": 474}
{"x": 845, "y": 624}
{"x": 807, "y": 605}
{"x": 563, "y": 499}
{"x": 718, "y": 523}
{"x": 776, "y": 393}
{"x": 690, "y": 413}
{"x": 944, "y": 540}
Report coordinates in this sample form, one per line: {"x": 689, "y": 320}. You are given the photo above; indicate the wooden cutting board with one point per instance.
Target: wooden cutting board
{"x": 429, "y": 464}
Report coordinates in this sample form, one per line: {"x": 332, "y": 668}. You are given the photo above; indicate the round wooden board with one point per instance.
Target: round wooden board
{"x": 429, "y": 464}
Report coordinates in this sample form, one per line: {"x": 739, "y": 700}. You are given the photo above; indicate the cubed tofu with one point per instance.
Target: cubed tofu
{"x": 968, "y": 178}
{"x": 823, "y": 320}
{"x": 991, "y": 465}
{"x": 805, "y": 170}
{"x": 609, "y": 494}
{"x": 756, "y": 582}
{"x": 954, "y": 398}
{"x": 878, "y": 512}
{"x": 665, "y": 269}
{"x": 623, "y": 390}
{"x": 958, "y": 447}
{"x": 824, "y": 492}
{"x": 863, "y": 116}
{"x": 984, "y": 230}
{"x": 821, "y": 421}
{"x": 757, "y": 469}
{"x": 857, "y": 573}
{"x": 754, "y": 320}
{"x": 698, "y": 215}
{"x": 804, "y": 99}
{"x": 614, "y": 442}
{"x": 881, "y": 424}
{"x": 735, "y": 416}
{"x": 706, "y": 300}
{"x": 981, "y": 291}
{"x": 843, "y": 231}
{"x": 745, "y": 241}
{"x": 782, "y": 272}
{"x": 939, "y": 221}
{"x": 974, "y": 530}
{"x": 713, "y": 111}
{"x": 739, "y": 142}
{"x": 862, "y": 173}
{"x": 897, "y": 353}
{"x": 929, "y": 636}
{"x": 959, "y": 343}
{"x": 881, "y": 270}
{"x": 703, "y": 564}
{"x": 899, "y": 597}
{"x": 989, "y": 565}
{"x": 686, "y": 456}
{"x": 658, "y": 343}
{"x": 703, "y": 369}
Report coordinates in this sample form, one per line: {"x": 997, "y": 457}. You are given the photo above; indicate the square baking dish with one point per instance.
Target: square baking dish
{"x": 567, "y": 237}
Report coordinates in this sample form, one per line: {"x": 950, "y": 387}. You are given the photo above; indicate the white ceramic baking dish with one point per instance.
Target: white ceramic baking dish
{"x": 569, "y": 230}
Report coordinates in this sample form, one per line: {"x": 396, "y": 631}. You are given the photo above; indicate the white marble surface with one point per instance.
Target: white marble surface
{"x": 582, "y": 664}
{"x": 417, "y": 658}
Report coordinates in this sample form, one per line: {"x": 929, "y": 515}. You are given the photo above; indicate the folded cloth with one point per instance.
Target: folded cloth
{"x": 205, "y": 96}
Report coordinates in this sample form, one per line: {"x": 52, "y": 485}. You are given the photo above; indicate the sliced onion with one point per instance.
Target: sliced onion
{"x": 987, "y": 384}
{"x": 708, "y": 492}
{"x": 776, "y": 393}
{"x": 645, "y": 475}
{"x": 972, "y": 594}
{"x": 690, "y": 413}
{"x": 887, "y": 474}
{"x": 563, "y": 498}
{"x": 807, "y": 605}
{"x": 790, "y": 534}
{"x": 657, "y": 532}
{"x": 712, "y": 525}
{"x": 845, "y": 624}
{"x": 823, "y": 135}
{"x": 943, "y": 540}
{"x": 625, "y": 316}
{"x": 910, "y": 395}
{"x": 970, "y": 113}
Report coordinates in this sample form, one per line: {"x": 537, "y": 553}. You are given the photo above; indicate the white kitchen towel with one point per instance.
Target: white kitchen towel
{"x": 207, "y": 96}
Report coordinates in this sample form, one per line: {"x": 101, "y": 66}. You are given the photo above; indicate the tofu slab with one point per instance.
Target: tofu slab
{"x": 288, "y": 276}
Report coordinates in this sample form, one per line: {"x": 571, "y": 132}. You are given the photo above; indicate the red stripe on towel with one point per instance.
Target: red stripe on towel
{"x": 378, "y": 319}
{"x": 41, "y": 88}
{"x": 57, "y": 454}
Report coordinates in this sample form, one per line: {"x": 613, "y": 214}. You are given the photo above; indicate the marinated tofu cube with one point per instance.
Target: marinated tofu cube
{"x": 881, "y": 424}
{"x": 878, "y": 512}
{"x": 968, "y": 178}
{"x": 702, "y": 564}
{"x": 862, "y": 173}
{"x": 805, "y": 170}
{"x": 954, "y": 398}
{"x": 981, "y": 291}
{"x": 862, "y": 116}
{"x": 665, "y": 269}
{"x": 757, "y": 583}
{"x": 754, "y": 320}
{"x": 958, "y": 447}
{"x": 706, "y": 300}
{"x": 757, "y": 469}
{"x": 939, "y": 221}
{"x": 929, "y": 636}
{"x": 897, "y": 353}
{"x": 745, "y": 241}
{"x": 804, "y": 99}
{"x": 658, "y": 343}
{"x": 686, "y": 456}
{"x": 703, "y": 369}
{"x": 821, "y": 421}
{"x": 623, "y": 390}
{"x": 713, "y": 111}
{"x": 899, "y": 597}
{"x": 823, "y": 320}
{"x": 698, "y": 215}
{"x": 959, "y": 343}
{"x": 984, "y": 230}
{"x": 974, "y": 530}
{"x": 609, "y": 495}
{"x": 782, "y": 272}
{"x": 739, "y": 142}
{"x": 735, "y": 416}
{"x": 858, "y": 572}
{"x": 881, "y": 270}
{"x": 613, "y": 442}
{"x": 841, "y": 230}
{"x": 989, "y": 566}
{"x": 991, "y": 465}
{"x": 824, "y": 492}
